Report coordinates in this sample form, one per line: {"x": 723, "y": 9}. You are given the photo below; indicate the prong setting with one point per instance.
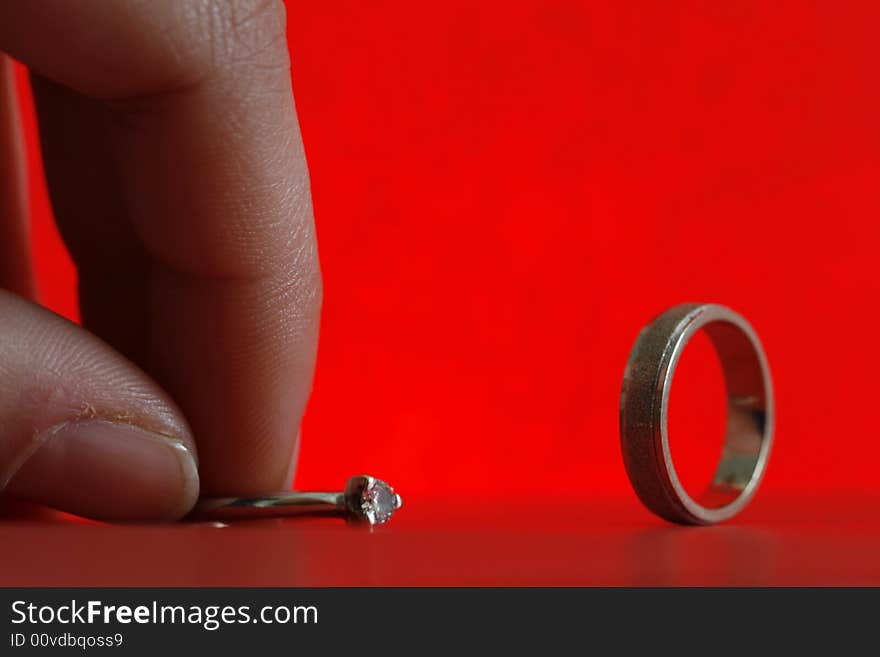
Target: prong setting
{"x": 371, "y": 500}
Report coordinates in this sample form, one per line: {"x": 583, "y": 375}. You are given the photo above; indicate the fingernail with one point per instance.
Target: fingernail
{"x": 111, "y": 470}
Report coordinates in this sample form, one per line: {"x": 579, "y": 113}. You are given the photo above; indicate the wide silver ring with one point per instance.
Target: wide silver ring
{"x": 644, "y": 405}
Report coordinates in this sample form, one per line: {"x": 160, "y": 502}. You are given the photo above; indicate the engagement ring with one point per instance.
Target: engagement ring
{"x": 364, "y": 499}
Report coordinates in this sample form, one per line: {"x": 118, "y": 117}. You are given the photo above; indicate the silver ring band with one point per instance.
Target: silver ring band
{"x": 365, "y": 499}
{"x": 644, "y": 407}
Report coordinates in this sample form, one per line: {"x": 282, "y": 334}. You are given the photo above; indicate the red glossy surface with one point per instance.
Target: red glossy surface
{"x": 777, "y": 541}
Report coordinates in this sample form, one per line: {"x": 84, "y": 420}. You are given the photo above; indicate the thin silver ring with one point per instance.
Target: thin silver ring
{"x": 644, "y": 406}
{"x": 364, "y": 499}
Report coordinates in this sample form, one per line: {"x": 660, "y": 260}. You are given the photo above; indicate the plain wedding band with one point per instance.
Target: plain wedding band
{"x": 644, "y": 407}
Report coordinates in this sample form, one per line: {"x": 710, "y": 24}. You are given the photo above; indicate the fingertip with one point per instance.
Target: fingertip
{"x": 110, "y": 471}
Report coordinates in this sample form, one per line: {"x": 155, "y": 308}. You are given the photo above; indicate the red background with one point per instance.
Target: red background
{"x": 505, "y": 192}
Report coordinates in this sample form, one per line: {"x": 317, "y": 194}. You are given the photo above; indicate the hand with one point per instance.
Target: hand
{"x": 179, "y": 184}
